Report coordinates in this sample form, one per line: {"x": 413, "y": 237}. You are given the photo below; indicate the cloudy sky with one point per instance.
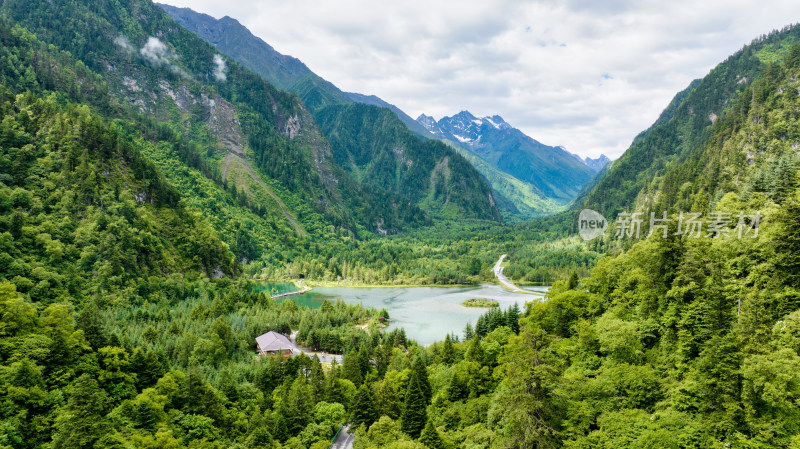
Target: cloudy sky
{"x": 586, "y": 74}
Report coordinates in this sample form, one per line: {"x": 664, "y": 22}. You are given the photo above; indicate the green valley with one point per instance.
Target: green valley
{"x": 159, "y": 197}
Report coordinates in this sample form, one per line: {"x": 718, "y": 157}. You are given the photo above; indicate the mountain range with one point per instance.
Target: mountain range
{"x": 528, "y": 179}
{"x": 250, "y": 155}
{"x": 152, "y": 189}
{"x": 554, "y": 172}
{"x": 595, "y": 164}
{"x": 285, "y": 72}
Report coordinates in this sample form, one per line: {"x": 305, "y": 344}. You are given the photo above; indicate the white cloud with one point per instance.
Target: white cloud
{"x": 585, "y": 74}
{"x": 156, "y": 51}
{"x": 123, "y": 42}
{"x": 220, "y": 68}
{"x": 159, "y": 54}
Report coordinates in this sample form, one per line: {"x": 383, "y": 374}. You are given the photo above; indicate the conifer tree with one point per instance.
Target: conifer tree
{"x": 83, "y": 421}
{"x": 430, "y": 436}
{"x": 383, "y": 357}
{"x": 332, "y": 389}
{"x": 364, "y": 365}
{"x": 475, "y": 351}
{"x": 420, "y": 372}
{"x": 469, "y": 332}
{"x": 448, "y": 354}
{"x": 91, "y": 323}
{"x": 572, "y": 284}
{"x": 316, "y": 379}
{"x": 351, "y": 369}
{"x": 414, "y": 415}
{"x": 364, "y": 407}
{"x": 512, "y": 318}
{"x": 299, "y": 404}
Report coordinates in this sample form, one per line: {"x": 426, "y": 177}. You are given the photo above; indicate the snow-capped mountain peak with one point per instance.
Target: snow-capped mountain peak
{"x": 552, "y": 171}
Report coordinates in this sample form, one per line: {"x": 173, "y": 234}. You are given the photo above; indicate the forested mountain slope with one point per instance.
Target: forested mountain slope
{"x": 83, "y": 209}
{"x": 649, "y": 174}
{"x": 261, "y": 141}
{"x": 225, "y": 116}
{"x": 286, "y": 72}
{"x": 682, "y": 340}
{"x": 471, "y": 198}
{"x": 384, "y": 155}
{"x": 517, "y": 200}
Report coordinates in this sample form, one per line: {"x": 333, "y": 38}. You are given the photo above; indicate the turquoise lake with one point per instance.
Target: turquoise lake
{"x": 428, "y": 314}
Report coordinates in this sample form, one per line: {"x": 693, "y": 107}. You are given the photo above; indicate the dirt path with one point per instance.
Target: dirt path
{"x": 229, "y": 158}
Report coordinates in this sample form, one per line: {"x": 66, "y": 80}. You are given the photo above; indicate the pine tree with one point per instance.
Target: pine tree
{"x": 400, "y": 338}
{"x": 448, "y": 355}
{"x": 420, "y": 372}
{"x": 137, "y": 365}
{"x": 482, "y": 325}
{"x": 332, "y": 389}
{"x": 298, "y": 406}
{"x": 91, "y": 323}
{"x": 572, "y": 284}
{"x": 414, "y": 415}
{"x": 383, "y": 358}
{"x": 430, "y": 436}
{"x": 83, "y": 421}
{"x": 364, "y": 407}
{"x": 279, "y": 429}
{"x": 469, "y": 333}
{"x": 512, "y": 318}
{"x": 475, "y": 351}
{"x": 494, "y": 320}
{"x": 364, "y": 365}
{"x": 351, "y": 369}
{"x": 458, "y": 388}
{"x": 316, "y": 378}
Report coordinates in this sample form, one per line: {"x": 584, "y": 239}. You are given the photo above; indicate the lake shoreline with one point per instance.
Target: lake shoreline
{"x": 366, "y": 285}
{"x": 427, "y": 313}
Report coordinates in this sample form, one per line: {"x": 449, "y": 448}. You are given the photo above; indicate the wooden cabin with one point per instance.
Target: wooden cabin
{"x": 273, "y": 344}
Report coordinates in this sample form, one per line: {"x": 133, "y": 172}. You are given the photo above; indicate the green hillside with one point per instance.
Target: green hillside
{"x": 647, "y": 174}
{"x": 83, "y": 210}
{"x": 383, "y": 155}
{"x": 517, "y": 200}
{"x": 247, "y": 133}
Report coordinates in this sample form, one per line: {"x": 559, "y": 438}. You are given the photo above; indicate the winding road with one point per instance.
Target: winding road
{"x": 498, "y": 273}
{"x": 324, "y": 357}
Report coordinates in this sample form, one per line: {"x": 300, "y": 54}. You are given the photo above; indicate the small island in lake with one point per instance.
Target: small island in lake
{"x": 480, "y": 302}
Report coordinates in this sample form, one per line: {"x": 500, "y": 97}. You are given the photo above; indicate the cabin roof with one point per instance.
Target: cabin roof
{"x": 273, "y": 341}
